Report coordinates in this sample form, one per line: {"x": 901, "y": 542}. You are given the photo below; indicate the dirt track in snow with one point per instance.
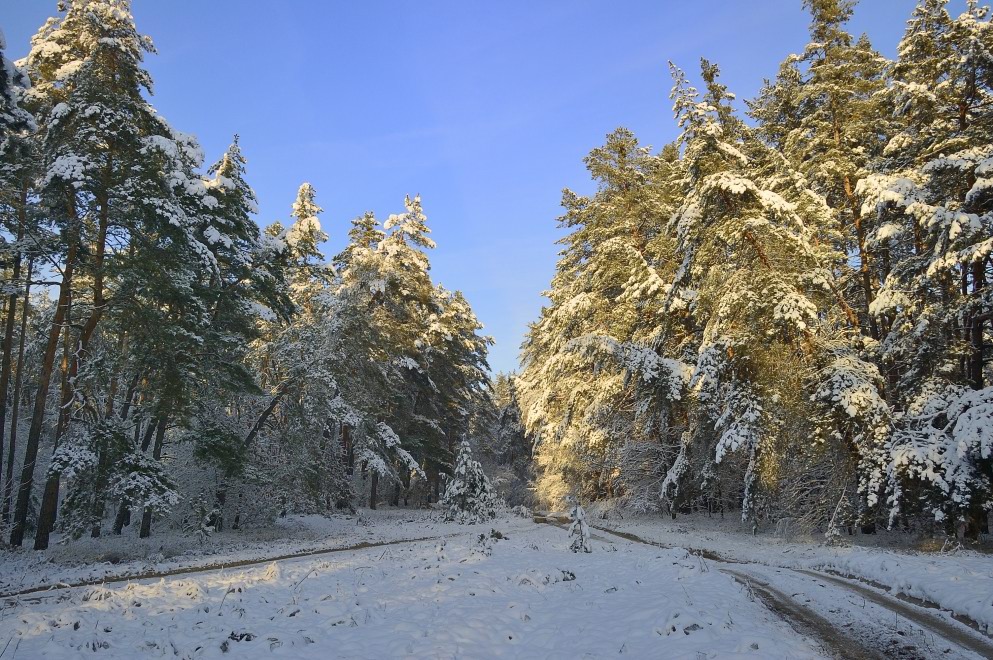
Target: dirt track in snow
{"x": 214, "y": 567}
{"x": 828, "y": 608}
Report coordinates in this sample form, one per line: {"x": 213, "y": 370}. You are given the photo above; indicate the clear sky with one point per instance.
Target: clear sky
{"x": 485, "y": 109}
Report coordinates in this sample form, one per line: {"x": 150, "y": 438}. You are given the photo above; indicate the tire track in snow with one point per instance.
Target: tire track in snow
{"x": 940, "y": 626}
{"x": 952, "y": 633}
{"x": 204, "y": 568}
{"x": 803, "y": 619}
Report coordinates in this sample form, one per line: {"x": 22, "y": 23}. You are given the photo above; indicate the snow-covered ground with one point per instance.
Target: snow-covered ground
{"x": 960, "y": 582}
{"x": 454, "y": 596}
{"x": 525, "y": 596}
{"x": 109, "y": 557}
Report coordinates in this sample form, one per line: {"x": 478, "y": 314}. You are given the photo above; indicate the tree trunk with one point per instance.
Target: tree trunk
{"x": 220, "y": 499}
{"x": 976, "y": 325}
{"x": 49, "y": 505}
{"x": 99, "y": 501}
{"x": 372, "y": 491}
{"x": 346, "y": 440}
{"x": 8, "y": 487}
{"x": 50, "y": 498}
{"x": 280, "y": 393}
{"x": 146, "y": 516}
{"x": 41, "y": 399}
{"x": 8, "y": 335}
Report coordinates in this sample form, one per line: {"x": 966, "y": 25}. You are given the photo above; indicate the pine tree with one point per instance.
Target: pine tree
{"x": 300, "y": 365}
{"x": 469, "y": 497}
{"x": 17, "y": 157}
{"x": 593, "y": 348}
{"x": 932, "y": 199}
{"x": 758, "y": 280}
{"x": 95, "y": 125}
{"x": 579, "y": 528}
{"x": 304, "y": 236}
{"x": 13, "y": 82}
{"x": 824, "y": 114}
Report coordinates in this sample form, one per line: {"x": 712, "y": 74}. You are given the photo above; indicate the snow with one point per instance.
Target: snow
{"x": 214, "y": 237}
{"x": 115, "y": 556}
{"x": 70, "y": 168}
{"x": 520, "y": 593}
{"x": 960, "y": 582}
{"x": 59, "y": 111}
{"x": 69, "y": 69}
{"x": 301, "y": 229}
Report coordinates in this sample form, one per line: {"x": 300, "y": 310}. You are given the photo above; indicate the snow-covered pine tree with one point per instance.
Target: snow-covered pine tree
{"x": 757, "y": 278}
{"x": 13, "y": 82}
{"x": 823, "y": 113}
{"x": 98, "y": 132}
{"x": 17, "y": 159}
{"x": 590, "y": 366}
{"x": 304, "y": 237}
{"x": 512, "y": 445}
{"x": 469, "y": 497}
{"x": 409, "y": 308}
{"x": 935, "y": 220}
{"x": 300, "y": 364}
{"x": 245, "y": 290}
{"x": 456, "y": 373}
{"x": 370, "y": 371}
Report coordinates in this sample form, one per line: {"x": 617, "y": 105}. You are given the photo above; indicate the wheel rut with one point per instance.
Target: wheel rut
{"x": 844, "y": 642}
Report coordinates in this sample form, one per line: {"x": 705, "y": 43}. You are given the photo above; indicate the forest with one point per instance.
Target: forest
{"x": 752, "y": 414}
{"x": 165, "y": 359}
{"x": 787, "y": 311}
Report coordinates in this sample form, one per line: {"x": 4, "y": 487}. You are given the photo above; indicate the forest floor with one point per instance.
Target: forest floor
{"x": 457, "y": 595}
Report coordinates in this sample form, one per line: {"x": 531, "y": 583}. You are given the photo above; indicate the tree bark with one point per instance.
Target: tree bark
{"x": 50, "y": 497}
{"x": 280, "y": 393}
{"x": 8, "y": 334}
{"x": 49, "y": 504}
{"x": 8, "y": 487}
{"x": 41, "y": 399}
{"x": 346, "y": 440}
{"x": 977, "y": 323}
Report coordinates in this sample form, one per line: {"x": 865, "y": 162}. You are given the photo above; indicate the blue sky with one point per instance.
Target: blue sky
{"x": 485, "y": 109}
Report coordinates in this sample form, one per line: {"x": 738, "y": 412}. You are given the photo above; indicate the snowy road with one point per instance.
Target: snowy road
{"x": 525, "y": 596}
{"x": 522, "y": 597}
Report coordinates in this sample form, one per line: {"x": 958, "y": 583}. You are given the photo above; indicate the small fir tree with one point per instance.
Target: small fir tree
{"x": 579, "y": 527}
{"x": 469, "y": 496}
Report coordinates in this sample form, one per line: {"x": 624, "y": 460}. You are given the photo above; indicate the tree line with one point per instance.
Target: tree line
{"x": 786, "y": 310}
{"x": 158, "y": 347}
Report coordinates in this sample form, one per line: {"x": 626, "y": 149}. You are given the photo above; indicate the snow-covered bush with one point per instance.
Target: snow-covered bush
{"x": 469, "y": 497}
